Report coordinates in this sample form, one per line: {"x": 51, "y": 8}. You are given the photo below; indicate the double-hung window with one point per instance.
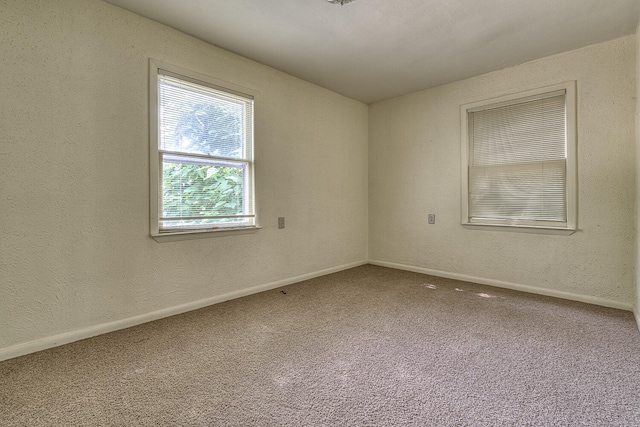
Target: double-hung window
{"x": 202, "y": 169}
{"x": 519, "y": 161}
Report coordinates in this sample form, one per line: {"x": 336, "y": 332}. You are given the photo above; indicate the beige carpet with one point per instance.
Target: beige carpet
{"x": 369, "y": 346}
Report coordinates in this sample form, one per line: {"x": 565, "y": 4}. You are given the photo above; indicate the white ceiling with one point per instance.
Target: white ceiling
{"x": 372, "y": 50}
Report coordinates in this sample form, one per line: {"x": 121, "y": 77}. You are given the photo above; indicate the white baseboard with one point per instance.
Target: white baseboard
{"x": 92, "y": 331}
{"x": 514, "y": 286}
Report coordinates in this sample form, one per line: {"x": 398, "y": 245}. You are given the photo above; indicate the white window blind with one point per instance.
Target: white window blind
{"x": 519, "y": 169}
{"x": 204, "y": 155}
{"x": 518, "y": 161}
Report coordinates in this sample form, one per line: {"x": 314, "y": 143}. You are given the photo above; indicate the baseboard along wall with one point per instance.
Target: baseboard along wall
{"x": 92, "y": 331}
{"x": 508, "y": 285}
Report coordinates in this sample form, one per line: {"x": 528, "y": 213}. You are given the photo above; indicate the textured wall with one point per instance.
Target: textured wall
{"x": 75, "y": 250}
{"x": 637, "y": 251}
{"x": 414, "y": 169}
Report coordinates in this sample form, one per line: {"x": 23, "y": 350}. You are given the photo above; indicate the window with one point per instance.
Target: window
{"x": 201, "y": 155}
{"x": 519, "y": 161}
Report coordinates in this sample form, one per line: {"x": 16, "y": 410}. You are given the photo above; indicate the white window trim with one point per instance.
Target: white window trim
{"x": 154, "y": 166}
{"x": 571, "y": 174}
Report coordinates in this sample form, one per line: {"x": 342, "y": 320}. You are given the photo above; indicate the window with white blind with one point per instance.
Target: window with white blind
{"x": 519, "y": 161}
{"x": 201, "y": 155}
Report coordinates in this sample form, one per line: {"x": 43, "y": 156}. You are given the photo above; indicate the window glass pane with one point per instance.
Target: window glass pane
{"x": 200, "y": 120}
{"x": 201, "y": 191}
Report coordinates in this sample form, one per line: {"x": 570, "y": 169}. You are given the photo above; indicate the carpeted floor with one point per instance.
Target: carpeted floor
{"x": 369, "y": 346}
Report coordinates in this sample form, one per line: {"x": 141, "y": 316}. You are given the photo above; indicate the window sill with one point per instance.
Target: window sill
{"x": 175, "y": 236}
{"x": 521, "y": 229}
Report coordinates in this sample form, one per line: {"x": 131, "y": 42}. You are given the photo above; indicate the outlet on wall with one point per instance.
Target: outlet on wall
{"x": 280, "y": 222}
{"x": 432, "y": 218}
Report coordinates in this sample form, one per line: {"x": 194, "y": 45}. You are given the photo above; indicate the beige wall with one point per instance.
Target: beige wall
{"x": 414, "y": 170}
{"x": 637, "y": 265}
{"x": 75, "y": 252}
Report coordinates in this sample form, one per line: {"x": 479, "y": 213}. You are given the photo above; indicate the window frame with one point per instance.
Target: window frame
{"x": 155, "y": 173}
{"x": 571, "y": 184}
